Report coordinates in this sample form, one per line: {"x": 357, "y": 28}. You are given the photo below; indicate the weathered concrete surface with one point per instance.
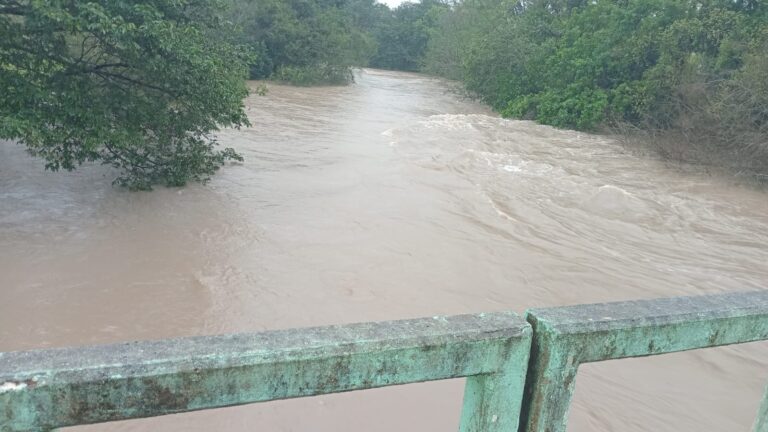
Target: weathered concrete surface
{"x": 45, "y": 389}
{"x": 492, "y": 402}
{"x": 761, "y": 422}
{"x": 568, "y": 336}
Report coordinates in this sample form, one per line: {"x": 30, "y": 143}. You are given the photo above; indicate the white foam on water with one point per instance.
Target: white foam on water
{"x": 12, "y": 386}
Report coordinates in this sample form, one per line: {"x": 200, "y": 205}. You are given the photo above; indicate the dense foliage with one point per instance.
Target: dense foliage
{"x": 318, "y": 41}
{"x": 689, "y": 70}
{"x": 302, "y": 41}
{"x": 402, "y": 35}
{"x": 136, "y": 85}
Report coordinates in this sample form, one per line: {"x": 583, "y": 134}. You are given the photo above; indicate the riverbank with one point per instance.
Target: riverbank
{"x": 687, "y": 152}
{"x": 691, "y": 79}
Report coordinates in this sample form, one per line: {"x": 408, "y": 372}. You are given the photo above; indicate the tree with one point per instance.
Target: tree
{"x": 403, "y": 35}
{"x": 304, "y": 42}
{"x": 138, "y": 85}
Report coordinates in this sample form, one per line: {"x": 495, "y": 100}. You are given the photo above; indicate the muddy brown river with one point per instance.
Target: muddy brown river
{"x": 391, "y": 198}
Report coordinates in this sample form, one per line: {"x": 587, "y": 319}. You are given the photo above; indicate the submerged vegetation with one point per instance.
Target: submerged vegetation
{"x": 143, "y": 85}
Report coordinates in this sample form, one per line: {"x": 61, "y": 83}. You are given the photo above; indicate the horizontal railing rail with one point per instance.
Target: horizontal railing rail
{"x": 565, "y": 337}
{"x": 47, "y": 389}
{"x": 520, "y": 373}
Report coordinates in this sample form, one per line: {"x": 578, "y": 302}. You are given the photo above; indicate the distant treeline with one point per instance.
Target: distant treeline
{"x": 309, "y": 42}
{"x": 693, "y": 74}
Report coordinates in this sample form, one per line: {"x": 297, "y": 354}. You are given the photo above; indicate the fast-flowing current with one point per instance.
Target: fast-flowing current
{"x": 394, "y": 197}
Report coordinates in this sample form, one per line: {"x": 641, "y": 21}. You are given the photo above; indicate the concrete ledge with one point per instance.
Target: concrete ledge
{"x": 657, "y": 312}
{"x": 45, "y": 389}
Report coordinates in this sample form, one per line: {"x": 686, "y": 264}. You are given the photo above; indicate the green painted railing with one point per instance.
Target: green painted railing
{"x": 520, "y": 376}
{"x": 46, "y": 389}
{"x": 566, "y": 337}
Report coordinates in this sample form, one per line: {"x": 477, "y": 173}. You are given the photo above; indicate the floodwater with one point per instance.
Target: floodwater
{"x": 391, "y": 198}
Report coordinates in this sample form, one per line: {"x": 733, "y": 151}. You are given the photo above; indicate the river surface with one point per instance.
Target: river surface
{"x": 391, "y": 198}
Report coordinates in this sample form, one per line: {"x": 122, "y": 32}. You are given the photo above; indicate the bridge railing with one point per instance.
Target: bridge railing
{"x": 47, "y": 389}
{"x": 565, "y": 337}
{"x": 499, "y": 353}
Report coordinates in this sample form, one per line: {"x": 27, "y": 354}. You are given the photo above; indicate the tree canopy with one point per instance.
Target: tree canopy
{"x": 140, "y": 86}
{"x": 402, "y": 35}
{"x": 302, "y": 41}
{"x": 317, "y": 41}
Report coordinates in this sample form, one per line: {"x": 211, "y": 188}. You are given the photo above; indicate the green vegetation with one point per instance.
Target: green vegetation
{"x": 304, "y": 42}
{"x": 136, "y": 85}
{"x": 402, "y": 35}
{"x": 311, "y": 42}
{"x": 142, "y": 85}
{"x": 693, "y": 74}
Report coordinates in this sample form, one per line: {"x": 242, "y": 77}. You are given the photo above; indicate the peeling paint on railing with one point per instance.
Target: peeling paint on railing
{"x": 500, "y": 354}
{"x": 566, "y": 337}
{"x": 142, "y": 379}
